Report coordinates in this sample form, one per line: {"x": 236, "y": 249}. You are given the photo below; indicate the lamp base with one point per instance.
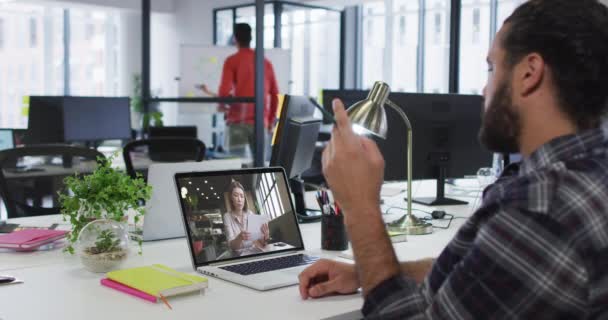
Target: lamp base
{"x": 410, "y": 225}
{"x": 438, "y": 201}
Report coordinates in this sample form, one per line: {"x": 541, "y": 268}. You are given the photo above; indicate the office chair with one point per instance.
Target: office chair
{"x": 169, "y": 149}
{"x": 32, "y": 175}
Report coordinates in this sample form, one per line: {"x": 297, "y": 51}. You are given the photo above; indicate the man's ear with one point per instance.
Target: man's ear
{"x": 530, "y": 73}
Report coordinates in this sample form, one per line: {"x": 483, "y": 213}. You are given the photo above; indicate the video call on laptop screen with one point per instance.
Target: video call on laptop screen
{"x": 230, "y": 215}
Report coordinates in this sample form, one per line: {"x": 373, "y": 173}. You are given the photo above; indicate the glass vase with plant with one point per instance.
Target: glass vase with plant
{"x": 107, "y": 193}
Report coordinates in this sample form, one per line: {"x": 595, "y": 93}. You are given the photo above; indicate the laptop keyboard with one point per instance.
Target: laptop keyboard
{"x": 270, "y": 264}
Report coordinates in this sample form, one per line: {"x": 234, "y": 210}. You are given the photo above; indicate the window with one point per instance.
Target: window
{"x": 1, "y": 33}
{"x": 391, "y": 45}
{"x": 93, "y": 42}
{"x": 27, "y": 66}
{"x": 437, "y": 34}
{"x": 404, "y": 58}
{"x": 247, "y": 15}
{"x": 374, "y": 41}
{"x": 505, "y": 9}
{"x": 476, "y": 26}
{"x": 269, "y": 197}
{"x": 402, "y": 26}
{"x": 311, "y": 35}
{"x": 474, "y": 45}
{"x": 223, "y": 28}
{"x": 33, "y": 32}
{"x": 34, "y": 64}
{"x": 437, "y": 52}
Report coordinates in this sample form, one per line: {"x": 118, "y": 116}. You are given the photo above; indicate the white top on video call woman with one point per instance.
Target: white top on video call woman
{"x": 236, "y": 221}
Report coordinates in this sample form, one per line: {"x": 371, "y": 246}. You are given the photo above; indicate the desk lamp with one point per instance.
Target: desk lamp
{"x": 368, "y": 116}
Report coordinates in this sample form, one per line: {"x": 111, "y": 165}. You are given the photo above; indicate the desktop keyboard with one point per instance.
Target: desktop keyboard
{"x": 270, "y": 264}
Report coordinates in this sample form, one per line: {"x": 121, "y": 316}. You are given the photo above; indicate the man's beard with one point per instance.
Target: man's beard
{"x": 500, "y": 126}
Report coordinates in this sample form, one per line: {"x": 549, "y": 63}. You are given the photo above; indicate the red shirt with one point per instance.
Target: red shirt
{"x": 238, "y": 79}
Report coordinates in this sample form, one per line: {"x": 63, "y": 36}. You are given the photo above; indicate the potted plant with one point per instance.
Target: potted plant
{"x": 107, "y": 193}
{"x": 139, "y": 118}
{"x": 103, "y": 245}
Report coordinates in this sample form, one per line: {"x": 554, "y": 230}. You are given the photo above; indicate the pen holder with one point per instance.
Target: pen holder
{"x": 333, "y": 233}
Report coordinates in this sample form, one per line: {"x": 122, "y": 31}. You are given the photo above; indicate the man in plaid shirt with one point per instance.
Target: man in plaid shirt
{"x": 538, "y": 245}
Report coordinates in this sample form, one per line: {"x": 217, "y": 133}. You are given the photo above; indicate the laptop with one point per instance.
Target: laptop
{"x": 162, "y": 219}
{"x": 268, "y": 260}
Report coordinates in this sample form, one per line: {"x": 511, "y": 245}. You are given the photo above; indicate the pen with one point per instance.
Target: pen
{"x": 165, "y": 301}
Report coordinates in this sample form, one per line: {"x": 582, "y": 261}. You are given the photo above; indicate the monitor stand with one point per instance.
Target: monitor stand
{"x": 440, "y": 199}
{"x": 304, "y": 215}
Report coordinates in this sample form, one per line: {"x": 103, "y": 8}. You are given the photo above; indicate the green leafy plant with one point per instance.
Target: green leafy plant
{"x": 137, "y": 105}
{"x": 106, "y": 242}
{"x": 107, "y": 193}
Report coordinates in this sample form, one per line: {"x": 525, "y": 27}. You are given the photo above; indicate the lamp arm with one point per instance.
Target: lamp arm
{"x": 409, "y": 152}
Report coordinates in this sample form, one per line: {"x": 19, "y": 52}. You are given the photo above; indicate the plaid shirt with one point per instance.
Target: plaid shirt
{"x": 536, "y": 248}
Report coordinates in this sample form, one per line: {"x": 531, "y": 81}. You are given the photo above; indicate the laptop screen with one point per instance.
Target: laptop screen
{"x": 237, "y": 213}
{"x": 6, "y": 139}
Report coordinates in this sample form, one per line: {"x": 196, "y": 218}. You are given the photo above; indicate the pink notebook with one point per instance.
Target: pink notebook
{"x": 128, "y": 290}
{"x": 30, "y": 239}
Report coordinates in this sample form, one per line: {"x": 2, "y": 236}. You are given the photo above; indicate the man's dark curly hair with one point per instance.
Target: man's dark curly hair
{"x": 572, "y": 38}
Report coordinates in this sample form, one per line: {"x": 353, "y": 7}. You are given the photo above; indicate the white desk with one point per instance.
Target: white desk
{"x": 57, "y": 287}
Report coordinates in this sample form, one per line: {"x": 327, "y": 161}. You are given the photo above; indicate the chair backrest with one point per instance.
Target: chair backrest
{"x": 169, "y": 149}
{"x": 32, "y": 176}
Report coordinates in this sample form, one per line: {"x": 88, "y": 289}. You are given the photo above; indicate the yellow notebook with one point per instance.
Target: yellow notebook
{"x": 159, "y": 280}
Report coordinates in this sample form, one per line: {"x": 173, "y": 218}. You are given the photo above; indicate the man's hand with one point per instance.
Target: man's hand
{"x": 326, "y": 277}
{"x": 206, "y": 90}
{"x": 354, "y": 169}
{"x": 353, "y": 166}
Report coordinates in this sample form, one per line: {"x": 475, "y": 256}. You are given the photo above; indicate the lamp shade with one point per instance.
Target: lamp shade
{"x": 369, "y": 115}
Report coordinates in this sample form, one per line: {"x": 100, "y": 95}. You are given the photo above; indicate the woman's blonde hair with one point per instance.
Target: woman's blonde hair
{"x": 233, "y": 185}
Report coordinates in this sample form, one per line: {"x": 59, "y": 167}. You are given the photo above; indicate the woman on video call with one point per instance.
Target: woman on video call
{"x": 236, "y": 221}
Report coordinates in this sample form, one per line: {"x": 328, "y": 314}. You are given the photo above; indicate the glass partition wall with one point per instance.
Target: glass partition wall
{"x": 311, "y": 34}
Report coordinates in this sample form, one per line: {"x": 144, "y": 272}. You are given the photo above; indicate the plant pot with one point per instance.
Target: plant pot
{"x": 103, "y": 245}
{"x": 136, "y": 120}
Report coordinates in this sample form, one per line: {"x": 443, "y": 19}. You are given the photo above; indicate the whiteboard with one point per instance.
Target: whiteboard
{"x": 203, "y": 65}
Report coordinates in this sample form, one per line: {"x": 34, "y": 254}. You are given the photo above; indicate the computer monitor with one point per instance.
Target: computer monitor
{"x": 293, "y": 146}
{"x": 6, "y": 139}
{"x": 348, "y": 97}
{"x": 445, "y": 129}
{"x": 87, "y": 119}
{"x": 45, "y": 120}
{"x": 77, "y": 119}
{"x": 173, "y": 131}
{"x": 297, "y": 148}
{"x": 19, "y": 137}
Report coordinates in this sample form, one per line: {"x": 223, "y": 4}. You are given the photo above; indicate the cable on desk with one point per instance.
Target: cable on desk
{"x": 429, "y": 216}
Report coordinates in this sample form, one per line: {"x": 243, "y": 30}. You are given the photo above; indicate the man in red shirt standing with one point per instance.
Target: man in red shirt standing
{"x": 238, "y": 80}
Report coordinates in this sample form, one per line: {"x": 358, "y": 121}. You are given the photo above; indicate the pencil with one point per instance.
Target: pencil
{"x": 165, "y": 301}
